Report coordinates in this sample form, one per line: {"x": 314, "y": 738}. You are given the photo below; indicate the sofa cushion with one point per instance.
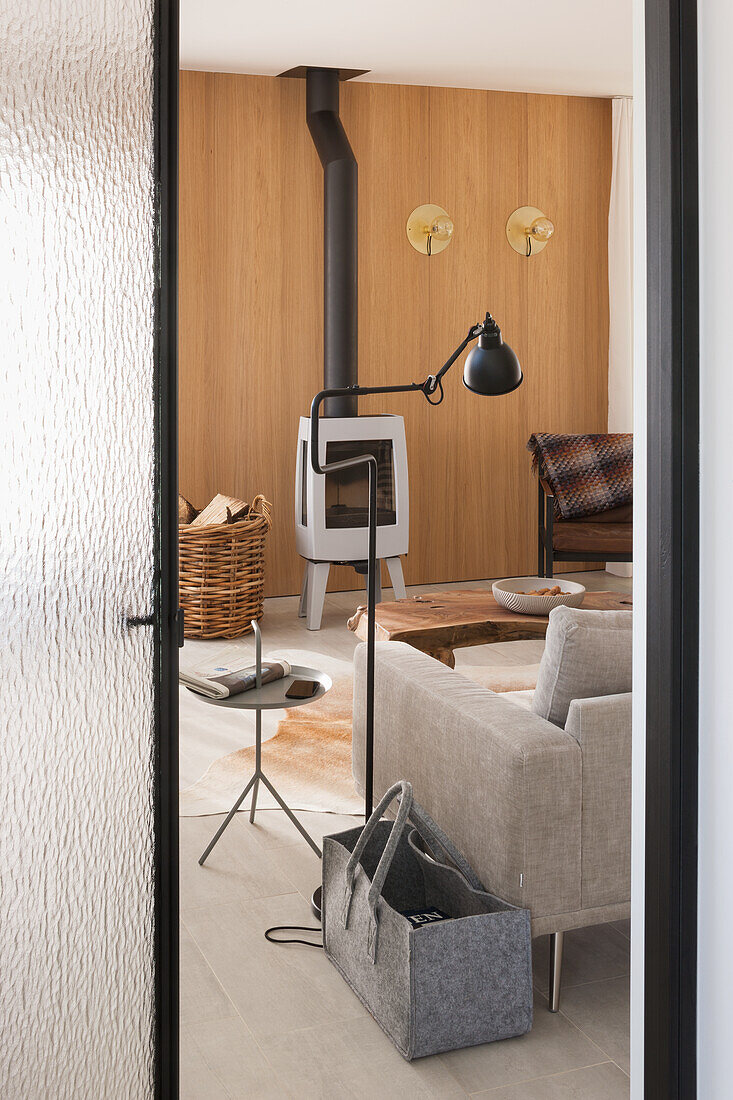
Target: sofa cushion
{"x": 502, "y": 678}
{"x": 578, "y": 537}
{"x": 519, "y": 698}
{"x": 587, "y": 654}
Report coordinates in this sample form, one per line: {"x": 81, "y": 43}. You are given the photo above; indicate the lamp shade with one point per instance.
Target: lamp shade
{"x": 491, "y": 367}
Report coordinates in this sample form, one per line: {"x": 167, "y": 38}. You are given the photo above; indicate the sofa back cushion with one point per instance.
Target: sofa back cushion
{"x": 587, "y": 654}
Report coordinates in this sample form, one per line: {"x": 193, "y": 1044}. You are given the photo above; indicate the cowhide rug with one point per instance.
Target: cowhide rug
{"x": 306, "y": 751}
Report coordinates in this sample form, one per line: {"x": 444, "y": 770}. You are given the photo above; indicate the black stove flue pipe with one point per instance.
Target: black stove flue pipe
{"x": 340, "y": 313}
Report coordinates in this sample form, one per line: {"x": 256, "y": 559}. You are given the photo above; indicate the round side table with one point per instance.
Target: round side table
{"x": 267, "y": 697}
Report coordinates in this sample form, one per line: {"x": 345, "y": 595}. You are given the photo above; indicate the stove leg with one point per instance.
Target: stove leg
{"x": 316, "y": 593}
{"x": 394, "y": 565}
{"x": 303, "y": 594}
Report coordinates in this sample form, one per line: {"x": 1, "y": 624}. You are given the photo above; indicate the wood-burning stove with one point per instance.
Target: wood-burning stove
{"x": 331, "y": 511}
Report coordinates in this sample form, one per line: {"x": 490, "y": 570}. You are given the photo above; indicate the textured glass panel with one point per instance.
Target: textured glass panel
{"x": 76, "y": 507}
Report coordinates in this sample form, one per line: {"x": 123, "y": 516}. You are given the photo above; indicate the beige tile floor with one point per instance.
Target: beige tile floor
{"x": 259, "y": 1020}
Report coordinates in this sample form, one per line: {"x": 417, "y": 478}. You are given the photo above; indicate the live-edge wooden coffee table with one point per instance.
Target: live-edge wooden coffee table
{"x": 440, "y": 622}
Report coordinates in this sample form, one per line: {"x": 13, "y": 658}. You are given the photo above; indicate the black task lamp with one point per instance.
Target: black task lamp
{"x": 491, "y": 369}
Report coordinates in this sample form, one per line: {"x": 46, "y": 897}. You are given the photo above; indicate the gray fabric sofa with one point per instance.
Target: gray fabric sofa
{"x": 541, "y": 810}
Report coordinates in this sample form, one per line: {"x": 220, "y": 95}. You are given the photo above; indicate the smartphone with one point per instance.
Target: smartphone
{"x": 302, "y": 689}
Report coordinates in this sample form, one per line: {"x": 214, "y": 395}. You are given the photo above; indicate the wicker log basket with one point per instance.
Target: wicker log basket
{"x": 222, "y": 574}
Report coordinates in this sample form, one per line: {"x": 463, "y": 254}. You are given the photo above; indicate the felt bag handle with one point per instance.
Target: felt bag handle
{"x": 409, "y": 811}
{"x": 434, "y": 835}
{"x": 404, "y": 790}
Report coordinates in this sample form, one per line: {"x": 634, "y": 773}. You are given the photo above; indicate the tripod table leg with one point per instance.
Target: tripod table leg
{"x": 291, "y": 815}
{"x": 227, "y": 819}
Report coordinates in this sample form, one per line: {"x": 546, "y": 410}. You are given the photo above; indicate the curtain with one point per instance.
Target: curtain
{"x": 620, "y": 273}
{"x": 620, "y": 282}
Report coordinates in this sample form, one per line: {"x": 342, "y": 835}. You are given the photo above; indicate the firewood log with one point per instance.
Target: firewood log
{"x": 222, "y": 509}
{"x": 186, "y": 511}
{"x": 233, "y": 517}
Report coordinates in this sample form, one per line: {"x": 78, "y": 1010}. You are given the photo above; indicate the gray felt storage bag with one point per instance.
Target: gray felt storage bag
{"x": 445, "y": 983}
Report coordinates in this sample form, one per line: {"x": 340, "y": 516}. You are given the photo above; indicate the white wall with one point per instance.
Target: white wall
{"x": 715, "y": 959}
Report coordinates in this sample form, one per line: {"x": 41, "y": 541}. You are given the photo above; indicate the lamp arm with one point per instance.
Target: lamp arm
{"x": 473, "y": 332}
{"x": 428, "y": 387}
{"x": 348, "y": 391}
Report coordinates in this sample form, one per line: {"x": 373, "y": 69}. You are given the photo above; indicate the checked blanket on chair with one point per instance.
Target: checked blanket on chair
{"x": 586, "y": 473}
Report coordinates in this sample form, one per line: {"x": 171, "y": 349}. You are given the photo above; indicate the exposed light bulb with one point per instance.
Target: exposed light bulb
{"x": 541, "y": 229}
{"x": 441, "y": 228}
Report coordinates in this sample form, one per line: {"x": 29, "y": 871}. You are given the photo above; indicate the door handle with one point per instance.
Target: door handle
{"x": 129, "y": 621}
{"x": 138, "y": 620}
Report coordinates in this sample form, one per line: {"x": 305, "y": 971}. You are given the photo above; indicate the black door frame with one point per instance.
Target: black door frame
{"x": 167, "y": 622}
{"x": 670, "y": 945}
{"x": 672, "y": 562}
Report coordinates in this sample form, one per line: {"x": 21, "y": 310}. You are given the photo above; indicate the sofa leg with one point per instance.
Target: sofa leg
{"x": 556, "y": 941}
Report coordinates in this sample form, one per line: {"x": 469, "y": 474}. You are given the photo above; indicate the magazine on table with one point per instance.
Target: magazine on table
{"x": 232, "y": 675}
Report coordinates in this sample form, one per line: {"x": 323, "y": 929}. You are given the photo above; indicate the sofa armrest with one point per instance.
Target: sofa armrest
{"x": 602, "y": 728}
{"x": 503, "y": 783}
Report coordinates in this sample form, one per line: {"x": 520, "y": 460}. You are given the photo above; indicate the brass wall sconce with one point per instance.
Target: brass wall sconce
{"x": 429, "y": 229}
{"x": 528, "y": 230}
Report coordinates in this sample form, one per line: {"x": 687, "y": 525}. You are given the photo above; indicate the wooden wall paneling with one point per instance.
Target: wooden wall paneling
{"x": 509, "y": 534}
{"x": 251, "y": 298}
{"x": 569, "y": 170}
{"x": 456, "y": 493}
{"x": 477, "y": 167}
{"x": 554, "y": 397}
{"x": 197, "y": 306}
{"x": 589, "y": 185}
{"x": 299, "y": 375}
{"x": 569, "y": 177}
{"x": 388, "y": 127}
{"x": 247, "y": 265}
